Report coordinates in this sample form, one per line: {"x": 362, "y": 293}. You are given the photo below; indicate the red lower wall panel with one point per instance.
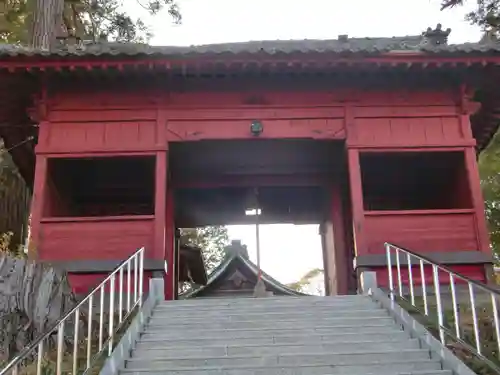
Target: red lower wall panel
{"x": 437, "y": 231}
{"x": 95, "y": 239}
{"x": 113, "y": 238}
{"x": 422, "y": 231}
{"x": 473, "y": 271}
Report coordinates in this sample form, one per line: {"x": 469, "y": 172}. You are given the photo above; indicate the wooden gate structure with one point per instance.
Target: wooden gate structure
{"x": 376, "y": 139}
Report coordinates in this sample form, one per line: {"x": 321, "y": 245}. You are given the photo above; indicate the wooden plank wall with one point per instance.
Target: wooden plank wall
{"x": 112, "y": 122}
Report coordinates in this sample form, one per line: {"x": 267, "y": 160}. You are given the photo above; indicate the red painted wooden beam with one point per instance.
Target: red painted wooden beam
{"x": 251, "y": 180}
{"x": 324, "y": 60}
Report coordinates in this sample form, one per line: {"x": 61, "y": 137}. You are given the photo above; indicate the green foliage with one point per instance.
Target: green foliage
{"x": 5, "y": 242}
{"x": 92, "y": 20}
{"x": 8, "y": 170}
{"x": 13, "y": 19}
{"x": 489, "y": 169}
{"x": 7, "y": 248}
{"x": 486, "y": 325}
{"x": 305, "y": 280}
{"x": 14, "y": 206}
{"x": 212, "y": 240}
{"x": 106, "y": 19}
{"x": 486, "y": 13}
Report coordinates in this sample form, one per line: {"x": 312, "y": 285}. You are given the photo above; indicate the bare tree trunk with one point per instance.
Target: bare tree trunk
{"x": 47, "y": 23}
{"x": 32, "y": 298}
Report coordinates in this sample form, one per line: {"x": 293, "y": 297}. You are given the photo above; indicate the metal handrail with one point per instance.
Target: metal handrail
{"x": 456, "y": 330}
{"x": 134, "y": 262}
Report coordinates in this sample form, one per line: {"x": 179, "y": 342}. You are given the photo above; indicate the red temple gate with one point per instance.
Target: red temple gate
{"x": 386, "y": 137}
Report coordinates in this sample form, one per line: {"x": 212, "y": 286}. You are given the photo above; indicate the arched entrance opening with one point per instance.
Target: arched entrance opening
{"x": 298, "y": 182}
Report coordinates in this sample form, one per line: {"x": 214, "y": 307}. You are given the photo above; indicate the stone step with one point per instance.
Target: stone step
{"x": 361, "y": 305}
{"x": 411, "y": 368}
{"x": 286, "y": 301}
{"x": 258, "y": 304}
{"x": 175, "y": 351}
{"x": 313, "y": 301}
{"x": 281, "y": 315}
{"x": 368, "y": 327}
{"x": 342, "y": 358}
{"x": 287, "y": 337}
{"x": 374, "y": 369}
{"x": 271, "y": 300}
{"x": 161, "y": 324}
{"x": 209, "y": 314}
{"x": 348, "y": 335}
{"x": 262, "y": 323}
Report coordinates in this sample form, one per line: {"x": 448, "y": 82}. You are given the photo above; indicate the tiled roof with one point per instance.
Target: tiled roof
{"x": 341, "y": 45}
{"x": 232, "y": 258}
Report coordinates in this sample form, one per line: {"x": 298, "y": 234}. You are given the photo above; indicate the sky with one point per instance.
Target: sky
{"x": 288, "y": 251}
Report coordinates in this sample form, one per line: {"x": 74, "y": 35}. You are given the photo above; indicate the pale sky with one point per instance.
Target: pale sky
{"x": 288, "y": 251}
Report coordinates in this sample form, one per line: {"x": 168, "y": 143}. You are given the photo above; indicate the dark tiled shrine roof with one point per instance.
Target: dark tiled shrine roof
{"x": 237, "y": 257}
{"x": 430, "y": 42}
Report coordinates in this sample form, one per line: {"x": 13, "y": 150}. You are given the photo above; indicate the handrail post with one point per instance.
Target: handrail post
{"x": 424, "y": 287}
{"x": 101, "y": 317}
{"x": 474, "y": 317}
{"x": 111, "y": 313}
{"x": 136, "y": 275}
{"x": 129, "y": 287}
{"x": 455, "y": 305}
{"x": 141, "y": 276}
{"x": 75, "y": 341}
{"x": 120, "y": 296}
{"x": 60, "y": 348}
{"x": 437, "y": 291}
{"x": 89, "y": 331}
{"x": 410, "y": 279}
{"x": 398, "y": 267}
{"x": 39, "y": 360}
{"x": 389, "y": 271}
{"x": 495, "y": 319}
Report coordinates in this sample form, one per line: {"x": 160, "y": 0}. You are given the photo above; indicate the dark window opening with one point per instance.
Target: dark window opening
{"x": 101, "y": 186}
{"x": 414, "y": 181}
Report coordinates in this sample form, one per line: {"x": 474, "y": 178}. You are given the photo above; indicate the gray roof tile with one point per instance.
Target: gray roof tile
{"x": 276, "y": 47}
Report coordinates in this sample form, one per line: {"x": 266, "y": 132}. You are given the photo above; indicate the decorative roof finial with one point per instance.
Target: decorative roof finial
{"x": 436, "y": 37}
{"x": 237, "y": 248}
{"x": 343, "y": 38}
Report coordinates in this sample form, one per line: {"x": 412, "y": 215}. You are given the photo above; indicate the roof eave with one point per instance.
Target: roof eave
{"x": 252, "y": 267}
{"x": 319, "y": 59}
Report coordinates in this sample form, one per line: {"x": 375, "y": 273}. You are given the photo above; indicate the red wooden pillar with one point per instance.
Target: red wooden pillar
{"x": 357, "y": 209}
{"x": 163, "y": 244}
{"x": 342, "y": 262}
{"x": 37, "y": 204}
{"x": 358, "y": 217}
{"x": 326, "y": 257}
{"x": 329, "y": 265}
{"x": 170, "y": 276}
{"x": 160, "y": 202}
{"x": 477, "y": 200}
{"x": 333, "y": 239}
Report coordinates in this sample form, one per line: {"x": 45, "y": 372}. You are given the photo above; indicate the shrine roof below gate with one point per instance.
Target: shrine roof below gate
{"x": 237, "y": 276}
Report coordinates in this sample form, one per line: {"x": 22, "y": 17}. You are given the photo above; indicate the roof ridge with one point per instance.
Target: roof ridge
{"x": 342, "y": 44}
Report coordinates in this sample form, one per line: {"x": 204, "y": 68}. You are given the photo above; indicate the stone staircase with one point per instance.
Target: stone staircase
{"x": 278, "y": 335}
